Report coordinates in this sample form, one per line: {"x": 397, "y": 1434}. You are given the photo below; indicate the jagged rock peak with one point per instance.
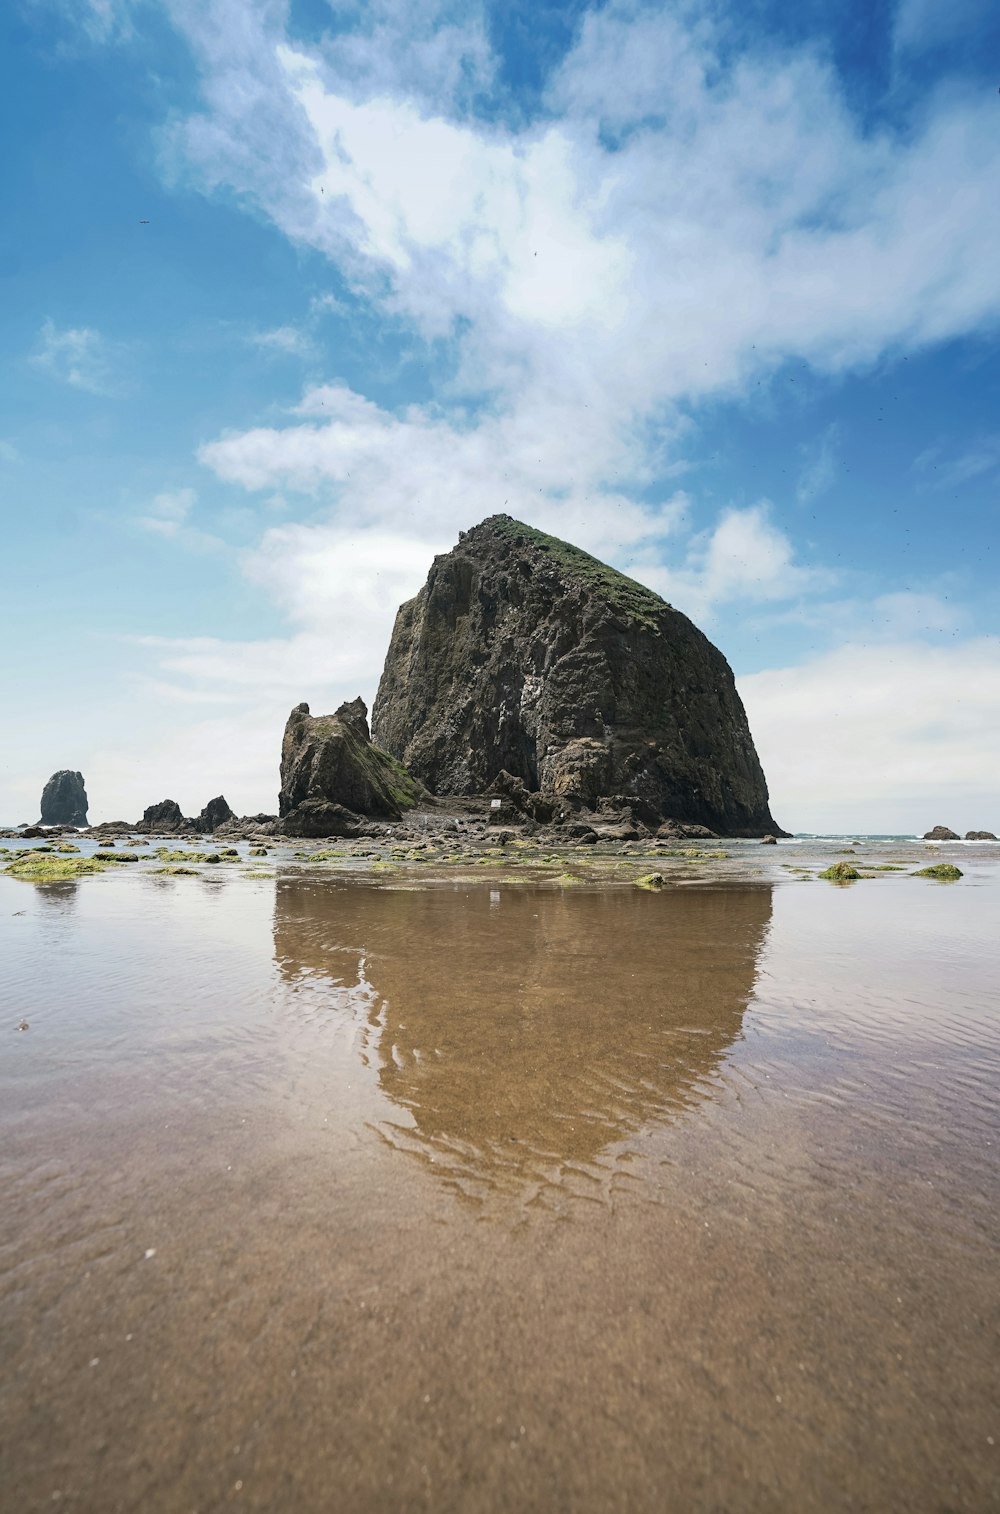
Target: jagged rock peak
{"x": 215, "y": 813}
{"x": 523, "y": 653}
{"x": 331, "y": 773}
{"x": 165, "y": 816}
{"x": 64, "y": 799}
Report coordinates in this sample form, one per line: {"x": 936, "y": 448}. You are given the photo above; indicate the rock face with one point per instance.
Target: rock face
{"x": 979, "y": 836}
{"x": 165, "y": 816}
{"x": 64, "y": 799}
{"x": 215, "y": 813}
{"x": 941, "y": 833}
{"x": 525, "y": 655}
{"x": 331, "y": 773}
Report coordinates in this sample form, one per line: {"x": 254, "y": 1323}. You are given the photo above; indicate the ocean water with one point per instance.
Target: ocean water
{"x": 319, "y": 1192}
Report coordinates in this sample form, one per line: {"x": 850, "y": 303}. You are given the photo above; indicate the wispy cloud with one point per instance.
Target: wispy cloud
{"x": 819, "y": 466}
{"x": 286, "y": 341}
{"x": 168, "y": 516}
{"x": 78, "y": 356}
{"x": 8, "y": 452}
{"x": 942, "y": 468}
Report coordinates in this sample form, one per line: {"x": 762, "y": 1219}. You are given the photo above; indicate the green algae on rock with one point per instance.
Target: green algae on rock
{"x": 331, "y": 772}
{"x": 652, "y": 881}
{"x": 841, "y": 872}
{"x": 32, "y": 868}
{"x": 944, "y": 872}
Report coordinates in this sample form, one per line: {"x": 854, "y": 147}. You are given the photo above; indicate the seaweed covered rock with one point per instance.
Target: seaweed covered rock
{"x": 64, "y": 799}
{"x": 525, "y": 655}
{"x": 215, "y": 813}
{"x": 331, "y": 773}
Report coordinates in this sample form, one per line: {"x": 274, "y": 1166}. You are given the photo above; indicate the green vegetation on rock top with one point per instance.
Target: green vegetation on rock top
{"x": 944, "y": 871}
{"x": 841, "y": 872}
{"x": 621, "y": 592}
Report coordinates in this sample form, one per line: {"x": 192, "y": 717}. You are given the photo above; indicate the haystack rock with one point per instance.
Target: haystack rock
{"x": 64, "y": 799}
{"x": 215, "y": 813}
{"x": 941, "y": 833}
{"x": 331, "y": 774}
{"x": 523, "y": 654}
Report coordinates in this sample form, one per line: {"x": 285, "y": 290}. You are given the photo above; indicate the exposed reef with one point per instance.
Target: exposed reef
{"x": 64, "y": 799}
{"x": 525, "y": 656}
{"x": 332, "y": 773}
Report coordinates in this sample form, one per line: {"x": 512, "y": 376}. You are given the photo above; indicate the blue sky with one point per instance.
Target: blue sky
{"x": 292, "y": 293}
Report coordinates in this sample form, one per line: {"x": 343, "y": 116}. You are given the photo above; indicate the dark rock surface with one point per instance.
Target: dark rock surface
{"x": 979, "y": 836}
{"x": 331, "y": 774}
{"x": 215, "y": 813}
{"x": 525, "y": 655}
{"x": 165, "y": 816}
{"x": 64, "y": 799}
{"x": 941, "y": 833}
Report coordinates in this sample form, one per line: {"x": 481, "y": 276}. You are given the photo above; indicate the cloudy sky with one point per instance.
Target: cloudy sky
{"x": 291, "y": 291}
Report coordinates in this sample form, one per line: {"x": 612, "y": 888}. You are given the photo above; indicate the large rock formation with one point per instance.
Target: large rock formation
{"x": 523, "y": 654}
{"x": 331, "y": 773}
{"x": 64, "y": 799}
{"x": 215, "y": 813}
{"x": 941, "y": 833}
{"x": 165, "y": 816}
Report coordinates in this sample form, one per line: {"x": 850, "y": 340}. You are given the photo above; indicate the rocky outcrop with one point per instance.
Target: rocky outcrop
{"x": 979, "y": 836}
{"x": 64, "y": 799}
{"x": 524, "y": 655}
{"x": 941, "y": 833}
{"x": 165, "y": 816}
{"x": 331, "y": 774}
{"x": 215, "y": 813}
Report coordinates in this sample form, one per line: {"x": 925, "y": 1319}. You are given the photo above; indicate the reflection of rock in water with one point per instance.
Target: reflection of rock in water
{"x": 60, "y": 895}
{"x": 542, "y": 1028}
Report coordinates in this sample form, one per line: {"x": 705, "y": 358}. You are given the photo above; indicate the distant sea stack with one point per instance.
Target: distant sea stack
{"x": 64, "y": 799}
{"x": 524, "y": 654}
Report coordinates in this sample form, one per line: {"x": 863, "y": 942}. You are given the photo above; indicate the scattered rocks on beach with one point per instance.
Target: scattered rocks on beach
{"x": 64, "y": 800}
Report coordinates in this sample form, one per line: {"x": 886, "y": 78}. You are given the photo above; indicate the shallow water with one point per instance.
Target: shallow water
{"x": 323, "y": 1195}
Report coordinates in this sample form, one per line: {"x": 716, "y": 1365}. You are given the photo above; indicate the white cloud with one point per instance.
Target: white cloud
{"x": 683, "y": 219}
{"x": 743, "y": 557}
{"x": 78, "y": 356}
{"x": 290, "y": 341}
{"x": 168, "y": 517}
{"x": 8, "y": 452}
{"x": 882, "y": 738}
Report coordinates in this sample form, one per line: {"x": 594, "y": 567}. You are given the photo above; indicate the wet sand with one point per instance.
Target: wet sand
{"x": 326, "y": 1193}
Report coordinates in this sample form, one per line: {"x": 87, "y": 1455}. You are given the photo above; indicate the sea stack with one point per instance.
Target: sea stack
{"x": 524, "y": 654}
{"x": 331, "y": 774}
{"x": 64, "y": 799}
